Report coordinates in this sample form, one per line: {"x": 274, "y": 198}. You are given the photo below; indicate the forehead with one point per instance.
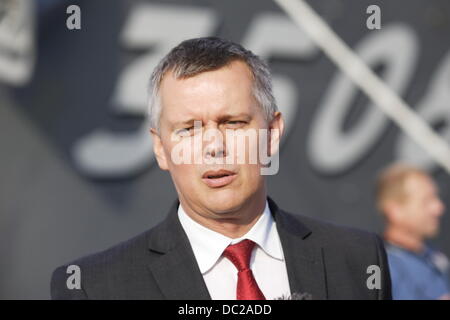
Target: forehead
{"x": 228, "y": 90}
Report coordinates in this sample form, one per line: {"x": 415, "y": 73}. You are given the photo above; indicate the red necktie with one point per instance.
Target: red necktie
{"x": 239, "y": 254}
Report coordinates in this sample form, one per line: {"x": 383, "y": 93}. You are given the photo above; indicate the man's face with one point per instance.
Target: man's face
{"x": 422, "y": 208}
{"x": 217, "y": 101}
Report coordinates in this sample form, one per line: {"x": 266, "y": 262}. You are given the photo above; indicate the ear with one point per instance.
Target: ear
{"x": 158, "y": 149}
{"x": 276, "y": 127}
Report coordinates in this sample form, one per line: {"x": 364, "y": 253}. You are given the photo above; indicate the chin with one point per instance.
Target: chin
{"x": 434, "y": 233}
{"x": 224, "y": 202}
{"x": 431, "y": 233}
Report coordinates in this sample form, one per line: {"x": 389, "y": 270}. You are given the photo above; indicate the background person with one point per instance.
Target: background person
{"x": 409, "y": 200}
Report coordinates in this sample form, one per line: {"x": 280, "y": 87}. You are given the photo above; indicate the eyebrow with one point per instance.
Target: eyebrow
{"x": 233, "y": 116}
{"x": 184, "y": 123}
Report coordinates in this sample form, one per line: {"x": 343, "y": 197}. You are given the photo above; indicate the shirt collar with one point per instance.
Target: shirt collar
{"x": 209, "y": 245}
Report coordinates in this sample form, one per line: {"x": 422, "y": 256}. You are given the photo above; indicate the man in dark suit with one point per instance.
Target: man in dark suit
{"x": 224, "y": 238}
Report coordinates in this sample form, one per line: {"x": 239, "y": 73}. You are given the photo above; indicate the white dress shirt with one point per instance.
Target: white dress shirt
{"x": 267, "y": 261}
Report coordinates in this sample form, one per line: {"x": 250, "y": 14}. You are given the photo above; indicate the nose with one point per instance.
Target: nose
{"x": 215, "y": 144}
{"x": 214, "y": 151}
{"x": 439, "y": 207}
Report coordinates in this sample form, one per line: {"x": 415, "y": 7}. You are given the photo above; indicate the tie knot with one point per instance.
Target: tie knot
{"x": 239, "y": 254}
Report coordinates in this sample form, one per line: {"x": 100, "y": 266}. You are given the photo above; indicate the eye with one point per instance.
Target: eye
{"x": 185, "y": 131}
{"x": 236, "y": 123}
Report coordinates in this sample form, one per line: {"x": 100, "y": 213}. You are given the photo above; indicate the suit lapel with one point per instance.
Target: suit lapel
{"x": 176, "y": 270}
{"x": 304, "y": 258}
{"x": 178, "y": 276}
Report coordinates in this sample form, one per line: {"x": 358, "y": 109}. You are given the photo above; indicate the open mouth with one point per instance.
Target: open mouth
{"x": 218, "y": 178}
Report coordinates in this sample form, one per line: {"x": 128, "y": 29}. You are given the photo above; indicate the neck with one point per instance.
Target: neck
{"x": 232, "y": 224}
{"x": 404, "y": 239}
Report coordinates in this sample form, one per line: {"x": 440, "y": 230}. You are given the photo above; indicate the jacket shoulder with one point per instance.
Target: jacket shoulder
{"x": 329, "y": 233}
{"x": 99, "y": 270}
{"x": 350, "y": 256}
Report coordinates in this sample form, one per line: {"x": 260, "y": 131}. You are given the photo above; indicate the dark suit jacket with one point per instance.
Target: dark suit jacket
{"x": 323, "y": 260}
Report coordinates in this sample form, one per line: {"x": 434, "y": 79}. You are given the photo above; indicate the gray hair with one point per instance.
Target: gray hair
{"x": 198, "y": 55}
